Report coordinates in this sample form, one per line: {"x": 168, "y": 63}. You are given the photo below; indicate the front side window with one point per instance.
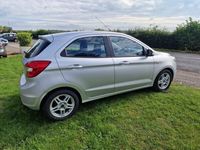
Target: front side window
{"x": 124, "y": 47}
{"x": 86, "y": 47}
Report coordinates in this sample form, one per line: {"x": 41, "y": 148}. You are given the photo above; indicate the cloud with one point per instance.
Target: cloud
{"x": 81, "y": 14}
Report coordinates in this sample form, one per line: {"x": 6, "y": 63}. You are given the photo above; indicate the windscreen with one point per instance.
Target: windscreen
{"x": 37, "y": 48}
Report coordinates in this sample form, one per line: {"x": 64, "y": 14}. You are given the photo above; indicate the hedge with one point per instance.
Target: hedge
{"x": 155, "y": 38}
{"x": 24, "y": 38}
{"x": 185, "y": 37}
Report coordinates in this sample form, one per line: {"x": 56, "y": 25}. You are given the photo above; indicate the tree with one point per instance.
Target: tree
{"x": 187, "y": 35}
{"x": 4, "y": 29}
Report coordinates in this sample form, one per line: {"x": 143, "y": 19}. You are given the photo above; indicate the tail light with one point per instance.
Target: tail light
{"x": 36, "y": 67}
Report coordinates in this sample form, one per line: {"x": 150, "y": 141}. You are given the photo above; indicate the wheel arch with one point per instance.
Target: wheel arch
{"x": 155, "y": 84}
{"x": 171, "y": 70}
{"x": 57, "y": 89}
{"x": 166, "y": 68}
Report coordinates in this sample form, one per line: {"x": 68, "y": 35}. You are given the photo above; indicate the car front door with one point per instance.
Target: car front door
{"x": 133, "y": 69}
{"x": 86, "y": 63}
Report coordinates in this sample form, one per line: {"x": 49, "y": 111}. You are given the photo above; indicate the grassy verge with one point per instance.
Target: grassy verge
{"x": 138, "y": 120}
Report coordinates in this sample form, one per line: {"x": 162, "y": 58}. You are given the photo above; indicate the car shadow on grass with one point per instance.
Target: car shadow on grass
{"x": 13, "y": 110}
{"x": 112, "y": 100}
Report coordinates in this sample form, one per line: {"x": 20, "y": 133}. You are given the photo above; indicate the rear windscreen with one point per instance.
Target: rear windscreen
{"x": 37, "y": 48}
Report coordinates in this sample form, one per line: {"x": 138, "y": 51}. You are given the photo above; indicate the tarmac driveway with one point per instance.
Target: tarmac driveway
{"x": 13, "y": 48}
{"x": 188, "y": 68}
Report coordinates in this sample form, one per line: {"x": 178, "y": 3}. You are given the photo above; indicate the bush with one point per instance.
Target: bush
{"x": 188, "y": 35}
{"x": 185, "y": 37}
{"x": 36, "y": 33}
{"x": 5, "y": 29}
{"x": 154, "y": 37}
{"x": 24, "y": 38}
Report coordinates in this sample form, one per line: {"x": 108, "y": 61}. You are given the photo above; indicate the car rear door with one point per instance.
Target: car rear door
{"x": 86, "y": 64}
{"x": 132, "y": 68}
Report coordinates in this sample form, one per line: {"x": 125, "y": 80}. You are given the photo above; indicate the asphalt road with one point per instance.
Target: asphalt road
{"x": 188, "y": 68}
{"x": 187, "y": 62}
{"x": 13, "y": 48}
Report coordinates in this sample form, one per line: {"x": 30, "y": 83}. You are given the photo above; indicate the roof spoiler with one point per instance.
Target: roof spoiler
{"x": 46, "y": 37}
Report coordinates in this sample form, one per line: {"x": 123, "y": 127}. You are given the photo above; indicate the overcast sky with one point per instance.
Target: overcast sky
{"x": 83, "y": 14}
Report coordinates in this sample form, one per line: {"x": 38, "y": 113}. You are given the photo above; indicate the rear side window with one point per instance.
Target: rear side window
{"x": 86, "y": 47}
{"x": 37, "y": 48}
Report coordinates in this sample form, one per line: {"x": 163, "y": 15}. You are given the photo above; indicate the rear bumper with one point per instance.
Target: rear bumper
{"x": 29, "y": 101}
{"x": 33, "y": 90}
{"x": 27, "y": 95}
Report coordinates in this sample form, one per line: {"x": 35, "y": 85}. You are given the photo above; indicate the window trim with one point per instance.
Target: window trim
{"x": 105, "y": 40}
{"x": 112, "y": 50}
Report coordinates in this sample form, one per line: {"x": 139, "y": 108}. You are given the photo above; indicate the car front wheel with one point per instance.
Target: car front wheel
{"x": 60, "y": 105}
{"x": 163, "y": 81}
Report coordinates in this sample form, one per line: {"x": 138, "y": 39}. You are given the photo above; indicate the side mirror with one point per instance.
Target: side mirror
{"x": 148, "y": 52}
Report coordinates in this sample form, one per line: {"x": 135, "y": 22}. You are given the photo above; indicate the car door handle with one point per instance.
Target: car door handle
{"x": 124, "y": 63}
{"x": 74, "y": 66}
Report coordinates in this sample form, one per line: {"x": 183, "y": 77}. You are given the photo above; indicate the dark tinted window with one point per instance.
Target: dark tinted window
{"x": 37, "y": 48}
{"x": 124, "y": 47}
{"x": 86, "y": 47}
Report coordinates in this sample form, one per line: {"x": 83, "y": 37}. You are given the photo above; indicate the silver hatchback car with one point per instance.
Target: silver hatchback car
{"x": 66, "y": 69}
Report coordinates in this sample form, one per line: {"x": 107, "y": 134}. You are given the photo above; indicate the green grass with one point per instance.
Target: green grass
{"x": 138, "y": 120}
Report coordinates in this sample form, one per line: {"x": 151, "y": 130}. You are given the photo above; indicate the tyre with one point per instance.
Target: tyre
{"x": 163, "y": 81}
{"x": 4, "y": 56}
{"x": 60, "y": 105}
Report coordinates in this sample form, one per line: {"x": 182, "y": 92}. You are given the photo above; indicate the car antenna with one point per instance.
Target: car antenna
{"x": 103, "y": 23}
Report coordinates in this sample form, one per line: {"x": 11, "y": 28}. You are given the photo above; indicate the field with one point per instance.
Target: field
{"x": 142, "y": 119}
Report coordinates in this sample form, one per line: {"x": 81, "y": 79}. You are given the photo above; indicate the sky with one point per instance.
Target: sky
{"x": 89, "y": 14}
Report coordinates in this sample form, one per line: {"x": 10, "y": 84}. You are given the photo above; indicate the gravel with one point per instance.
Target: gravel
{"x": 188, "y": 78}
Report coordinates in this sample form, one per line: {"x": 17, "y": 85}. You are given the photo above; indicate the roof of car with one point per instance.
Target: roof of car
{"x": 79, "y": 33}
{"x": 85, "y": 32}
{"x": 62, "y": 37}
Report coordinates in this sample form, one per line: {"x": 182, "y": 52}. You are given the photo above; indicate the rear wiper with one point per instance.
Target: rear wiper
{"x": 25, "y": 52}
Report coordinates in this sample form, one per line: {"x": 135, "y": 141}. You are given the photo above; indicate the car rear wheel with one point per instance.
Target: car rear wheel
{"x": 163, "y": 81}
{"x": 60, "y": 105}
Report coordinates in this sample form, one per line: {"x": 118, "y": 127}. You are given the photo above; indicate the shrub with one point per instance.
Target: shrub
{"x": 185, "y": 37}
{"x": 36, "y": 33}
{"x": 188, "y": 35}
{"x": 154, "y": 37}
{"x": 24, "y": 38}
{"x": 5, "y": 29}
